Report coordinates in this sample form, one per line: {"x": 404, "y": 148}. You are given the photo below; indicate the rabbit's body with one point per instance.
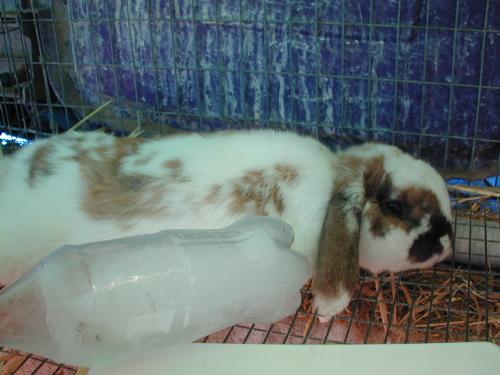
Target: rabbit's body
{"x": 86, "y": 187}
{"x": 191, "y": 181}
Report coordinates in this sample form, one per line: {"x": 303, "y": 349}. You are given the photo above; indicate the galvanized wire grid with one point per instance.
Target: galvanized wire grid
{"x": 344, "y": 69}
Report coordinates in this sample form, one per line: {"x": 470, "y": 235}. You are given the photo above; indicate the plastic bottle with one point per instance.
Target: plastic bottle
{"x": 101, "y": 302}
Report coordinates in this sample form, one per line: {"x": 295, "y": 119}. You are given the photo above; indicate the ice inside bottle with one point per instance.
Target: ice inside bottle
{"x": 95, "y": 303}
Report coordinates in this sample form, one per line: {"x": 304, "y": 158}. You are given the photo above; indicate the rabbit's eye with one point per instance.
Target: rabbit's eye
{"x": 395, "y": 207}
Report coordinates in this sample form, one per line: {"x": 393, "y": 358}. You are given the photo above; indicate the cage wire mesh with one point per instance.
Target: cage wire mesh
{"x": 420, "y": 74}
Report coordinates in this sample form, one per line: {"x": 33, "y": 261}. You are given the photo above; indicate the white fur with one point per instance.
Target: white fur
{"x": 37, "y": 220}
{"x": 378, "y": 254}
{"x": 328, "y": 307}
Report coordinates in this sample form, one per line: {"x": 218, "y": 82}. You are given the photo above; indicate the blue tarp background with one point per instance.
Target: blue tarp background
{"x": 423, "y": 74}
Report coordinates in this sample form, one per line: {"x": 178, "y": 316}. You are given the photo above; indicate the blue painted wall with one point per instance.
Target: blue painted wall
{"x": 423, "y": 74}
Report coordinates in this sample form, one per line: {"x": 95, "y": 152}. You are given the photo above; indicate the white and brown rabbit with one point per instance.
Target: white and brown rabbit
{"x": 370, "y": 206}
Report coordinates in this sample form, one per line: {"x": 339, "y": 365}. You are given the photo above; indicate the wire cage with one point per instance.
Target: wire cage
{"x": 420, "y": 74}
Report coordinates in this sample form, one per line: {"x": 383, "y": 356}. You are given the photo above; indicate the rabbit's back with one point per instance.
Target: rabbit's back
{"x": 84, "y": 187}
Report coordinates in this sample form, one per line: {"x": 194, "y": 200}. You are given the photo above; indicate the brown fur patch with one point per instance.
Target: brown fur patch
{"x": 381, "y": 223}
{"x": 423, "y": 202}
{"x": 40, "y": 163}
{"x": 214, "y": 194}
{"x": 111, "y": 194}
{"x": 378, "y": 187}
{"x": 287, "y": 173}
{"x": 174, "y": 164}
{"x": 338, "y": 263}
{"x": 375, "y": 177}
{"x": 175, "y": 167}
{"x": 250, "y": 189}
{"x": 260, "y": 189}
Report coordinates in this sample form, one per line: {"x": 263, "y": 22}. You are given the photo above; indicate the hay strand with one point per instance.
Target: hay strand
{"x": 382, "y": 305}
{"x": 89, "y": 116}
{"x": 491, "y": 192}
{"x": 310, "y": 321}
{"x": 136, "y": 133}
{"x": 448, "y": 312}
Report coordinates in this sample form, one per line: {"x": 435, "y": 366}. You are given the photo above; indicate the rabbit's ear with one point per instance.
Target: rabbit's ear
{"x": 337, "y": 270}
{"x": 338, "y": 259}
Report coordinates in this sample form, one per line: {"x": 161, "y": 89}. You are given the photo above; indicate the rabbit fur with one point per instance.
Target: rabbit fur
{"x": 370, "y": 206}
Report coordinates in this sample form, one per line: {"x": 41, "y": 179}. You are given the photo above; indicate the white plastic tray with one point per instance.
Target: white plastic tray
{"x": 409, "y": 359}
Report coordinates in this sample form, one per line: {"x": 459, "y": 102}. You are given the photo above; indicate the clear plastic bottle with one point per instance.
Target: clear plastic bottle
{"x": 101, "y": 302}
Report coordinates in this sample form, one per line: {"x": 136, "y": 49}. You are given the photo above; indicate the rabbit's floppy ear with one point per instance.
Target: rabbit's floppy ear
{"x": 337, "y": 270}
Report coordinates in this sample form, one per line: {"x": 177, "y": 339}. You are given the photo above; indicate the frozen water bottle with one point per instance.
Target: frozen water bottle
{"x": 101, "y": 302}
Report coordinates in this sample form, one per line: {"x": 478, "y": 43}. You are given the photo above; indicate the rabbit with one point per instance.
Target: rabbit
{"x": 370, "y": 206}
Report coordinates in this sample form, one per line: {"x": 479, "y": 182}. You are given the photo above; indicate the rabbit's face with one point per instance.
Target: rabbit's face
{"x": 406, "y": 220}
{"x": 388, "y": 212}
